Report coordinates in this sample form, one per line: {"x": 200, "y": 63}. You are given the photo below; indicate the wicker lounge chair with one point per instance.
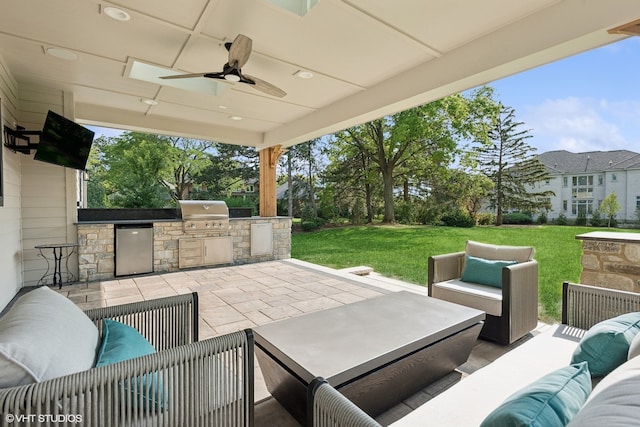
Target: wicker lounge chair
{"x": 185, "y": 383}
{"x": 511, "y": 305}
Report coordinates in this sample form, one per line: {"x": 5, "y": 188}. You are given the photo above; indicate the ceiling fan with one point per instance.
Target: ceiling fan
{"x": 239, "y": 51}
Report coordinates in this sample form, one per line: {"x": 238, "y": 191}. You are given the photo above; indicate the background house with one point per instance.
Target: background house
{"x": 582, "y": 180}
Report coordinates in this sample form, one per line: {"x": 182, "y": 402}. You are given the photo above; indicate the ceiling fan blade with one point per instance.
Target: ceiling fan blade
{"x": 239, "y": 51}
{"x": 266, "y": 87}
{"x": 184, "y": 76}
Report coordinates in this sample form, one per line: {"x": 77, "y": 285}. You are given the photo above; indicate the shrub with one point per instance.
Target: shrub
{"x": 596, "y": 219}
{"x": 542, "y": 218}
{"x": 517, "y": 218}
{"x": 404, "y": 212}
{"x": 457, "y": 219}
{"x": 561, "y": 220}
{"x": 312, "y": 224}
{"x": 581, "y": 219}
{"x": 485, "y": 219}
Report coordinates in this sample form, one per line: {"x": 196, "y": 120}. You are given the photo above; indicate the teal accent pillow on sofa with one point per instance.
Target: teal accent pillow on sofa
{"x": 121, "y": 342}
{"x": 606, "y": 345}
{"x": 484, "y": 271}
{"x": 548, "y": 402}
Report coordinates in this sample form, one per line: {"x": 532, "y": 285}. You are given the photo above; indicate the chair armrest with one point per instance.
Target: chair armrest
{"x": 444, "y": 267}
{"x": 165, "y": 322}
{"x": 583, "y": 305}
{"x": 327, "y": 407}
{"x": 520, "y": 286}
{"x": 192, "y": 384}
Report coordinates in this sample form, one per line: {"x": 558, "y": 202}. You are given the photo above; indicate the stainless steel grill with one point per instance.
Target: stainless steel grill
{"x": 205, "y": 215}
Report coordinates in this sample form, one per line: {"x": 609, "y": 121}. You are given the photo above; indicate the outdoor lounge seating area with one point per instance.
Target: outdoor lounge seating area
{"x": 143, "y": 388}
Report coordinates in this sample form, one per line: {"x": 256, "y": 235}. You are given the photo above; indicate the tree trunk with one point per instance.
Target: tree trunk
{"x": 389, "y": 214}
{"x": 367, "y": 196}
{"x": 405, "y": 190}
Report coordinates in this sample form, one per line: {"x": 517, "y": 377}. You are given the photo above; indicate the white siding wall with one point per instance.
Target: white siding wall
{"x": 48, "y": 191}
{"x": 633, "y": 191}
{"x": 626, "y": 186}
{"x": 618, "y": 186}
{"x": 10, "y": 222}
{"x": 39, "y": 199}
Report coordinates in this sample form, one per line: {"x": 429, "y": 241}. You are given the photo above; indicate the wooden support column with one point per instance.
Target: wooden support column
{"x": 268, "y": 162}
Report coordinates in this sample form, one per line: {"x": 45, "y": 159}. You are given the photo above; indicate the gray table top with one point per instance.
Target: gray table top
{"x": 345, "y": 342}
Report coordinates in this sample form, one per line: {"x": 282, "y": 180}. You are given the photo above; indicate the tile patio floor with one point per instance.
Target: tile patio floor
{"x": 238, "y": 297}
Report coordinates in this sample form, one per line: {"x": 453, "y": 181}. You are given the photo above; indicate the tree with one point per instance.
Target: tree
{"x": 145, "y": 170}
{"x": 513, "y": 167}
{"x": 610, "y": 207}
{"x": 129, "y": 169}
{"x": 417, "y": 143}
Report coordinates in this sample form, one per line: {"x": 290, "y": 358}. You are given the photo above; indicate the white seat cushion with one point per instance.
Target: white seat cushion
{"x": 480, "y": 297}
{"x": 44, "y": 335}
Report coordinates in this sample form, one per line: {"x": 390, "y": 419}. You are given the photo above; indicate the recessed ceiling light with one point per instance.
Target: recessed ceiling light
{"x": 116, "y": 13}
{"x": 149, "y": 101}
{"x": 62, "y": 53}
{"x": 305, "y": 74}
{"x": 236, "y": 118}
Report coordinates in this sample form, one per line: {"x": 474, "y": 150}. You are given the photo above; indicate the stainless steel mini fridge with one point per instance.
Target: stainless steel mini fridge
{"x": 134, "y": 249}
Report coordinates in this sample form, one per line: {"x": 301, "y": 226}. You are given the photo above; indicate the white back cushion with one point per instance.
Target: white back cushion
{"x": 499, "y": 252}
{"x": 44, "y": 335}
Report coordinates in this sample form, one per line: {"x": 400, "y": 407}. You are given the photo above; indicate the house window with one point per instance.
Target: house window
{"x": 637, "y": 202}
{"x": 600, "y": 180}
{"x": 585, "y": 206}
{"x": 582, "y": 194}
{"x": 614, "y": 177}
{"x": 565, "y": 181}
{"x": 564, "y": 205}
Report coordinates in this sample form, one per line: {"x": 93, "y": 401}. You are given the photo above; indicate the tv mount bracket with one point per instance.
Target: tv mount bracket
{"x": 18, "y": 140}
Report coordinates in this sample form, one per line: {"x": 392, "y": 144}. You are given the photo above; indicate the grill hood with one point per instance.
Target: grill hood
{"x": 203, "y": 209}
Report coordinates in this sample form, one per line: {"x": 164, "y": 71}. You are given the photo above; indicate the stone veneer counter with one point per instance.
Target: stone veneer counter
{"x": 611, "y": 260}
{"x": 96, "y": 251}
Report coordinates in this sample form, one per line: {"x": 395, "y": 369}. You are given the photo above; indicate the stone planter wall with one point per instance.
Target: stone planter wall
{"x": 96, "y": 256}
{"x": 611, "y": 260}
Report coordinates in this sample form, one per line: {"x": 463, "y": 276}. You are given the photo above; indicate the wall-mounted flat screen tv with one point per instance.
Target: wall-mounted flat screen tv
{"x": 64, "y": 142}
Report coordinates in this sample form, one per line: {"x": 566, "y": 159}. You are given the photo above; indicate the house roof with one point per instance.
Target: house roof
{"x": 562, "y": 161}
{"x": 369, "y": 58}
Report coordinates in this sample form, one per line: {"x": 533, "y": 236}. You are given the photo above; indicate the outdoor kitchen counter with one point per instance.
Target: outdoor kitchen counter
{"x": 96, "y": 257}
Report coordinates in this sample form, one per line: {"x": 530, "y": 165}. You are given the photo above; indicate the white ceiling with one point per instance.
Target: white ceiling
{"x": 369, "y": 57}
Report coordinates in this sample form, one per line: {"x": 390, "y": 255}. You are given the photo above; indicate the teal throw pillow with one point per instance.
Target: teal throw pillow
{"x": 606, "y": 345}
{"x": 548, "y": 402}
{"x": 121, "y": 342}
{"x": 484, "y": 271}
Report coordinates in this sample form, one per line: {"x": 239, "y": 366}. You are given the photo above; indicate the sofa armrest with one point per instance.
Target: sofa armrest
{"x": 583, "y": 305}
{"x": 327, "y": 407}
{"x": 444, "y": 267}
{"x": 195, "y": 384}
{"x": 165, "y": 322}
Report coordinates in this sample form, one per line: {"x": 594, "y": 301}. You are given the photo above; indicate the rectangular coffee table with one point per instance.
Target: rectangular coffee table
{"x": 376, "y": 352}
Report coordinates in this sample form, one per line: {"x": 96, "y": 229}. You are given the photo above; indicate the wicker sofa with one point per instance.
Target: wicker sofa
{"x": 613, "y": 400}
{"x": 186, "y": 382}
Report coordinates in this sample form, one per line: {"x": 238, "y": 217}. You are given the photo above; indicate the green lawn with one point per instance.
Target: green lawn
{"x": 402, "y": 251}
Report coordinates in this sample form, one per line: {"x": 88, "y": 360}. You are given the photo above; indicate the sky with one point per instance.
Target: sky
{"x": 588, "y": 102}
